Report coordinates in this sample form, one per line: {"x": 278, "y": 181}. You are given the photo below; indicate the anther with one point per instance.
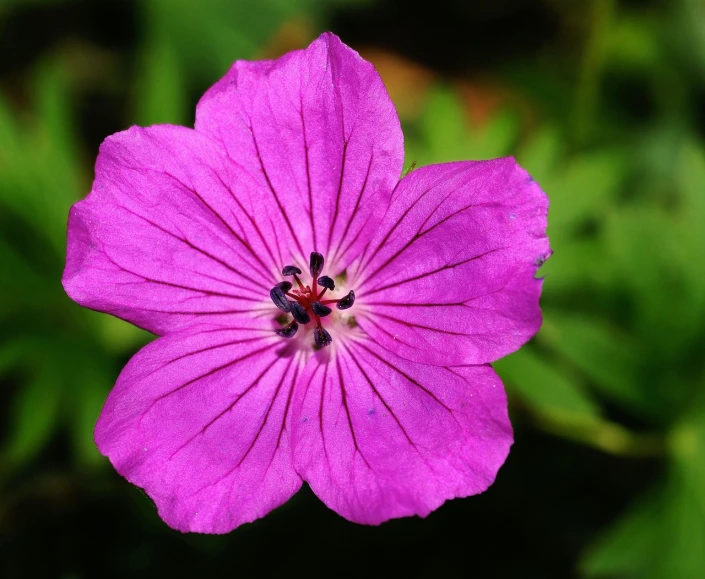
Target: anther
{"x": 290, "y": 270}
{"x": 316, "y": 264}
{"x": 279, "y": 299}
{"x": 320, "y": 310}
{"x": 321, "y": 337}
{"x": 289, "y": 330}
{"x": 326, "y": 282}
{"x": 299, "y": 313}
{"x": 285, "y": 286}
{"x": 347, "y": 301}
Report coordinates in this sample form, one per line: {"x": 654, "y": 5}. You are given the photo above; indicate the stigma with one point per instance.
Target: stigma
{"x": 307, "y": 303}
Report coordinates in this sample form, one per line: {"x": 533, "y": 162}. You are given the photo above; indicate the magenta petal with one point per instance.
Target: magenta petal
{"x": 166, "y": 234}
{"x": 321, "y": 135}
{"x": 201, "y": 422}
{"x": 378, "y": 437}
{"x": 450, "y": 276}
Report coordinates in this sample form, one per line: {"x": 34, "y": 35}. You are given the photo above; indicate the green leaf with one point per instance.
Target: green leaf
{"x": 647, "y": 251}
{"x": 584, "y": 188}
{"x": 663, "y": 535}
{"x": 630, "y": 548}
{"x": 690, "y": 230}
{"x": 446, "y": 134}
{"x": 599, "y": 350}
{"x": 34, "y": 413}
{"x": 42, "y": 179}
{"x": 90, "y": 389}
{"x": 540, "y": 153}
{"x": 576, "y": 264}
{"x": 208, "y": 36}
{"x": 161, "y": 93}
{"x": 544, "y": 387}
{"x": 630, "y": 44}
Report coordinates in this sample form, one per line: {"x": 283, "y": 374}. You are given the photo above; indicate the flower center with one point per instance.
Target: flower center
{"x": 306, "y": 303}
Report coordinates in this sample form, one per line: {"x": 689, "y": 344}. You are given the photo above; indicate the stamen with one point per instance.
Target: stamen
{"x": 326, "y": 282}
{"x": 321, "y": 337}
{"x": 289, "y": 330}
{"x": 299, "y": 313}
{"x": 316, "y": 264}
{"x": 347, "y": 301}
{"x": 306, "y": 303}
{"x": 320, "y": 310}
{"x": 279, "y": 299}
{"x": 290, "y": 270}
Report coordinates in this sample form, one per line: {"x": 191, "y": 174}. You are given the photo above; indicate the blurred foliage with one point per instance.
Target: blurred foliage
{"x": 613, "y": 131}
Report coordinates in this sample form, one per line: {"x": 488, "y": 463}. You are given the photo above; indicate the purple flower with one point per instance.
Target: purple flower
{"x": 320, "y": 320}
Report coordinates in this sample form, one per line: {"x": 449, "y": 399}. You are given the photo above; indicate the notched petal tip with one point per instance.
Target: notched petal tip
{"x": 78, "y": 247}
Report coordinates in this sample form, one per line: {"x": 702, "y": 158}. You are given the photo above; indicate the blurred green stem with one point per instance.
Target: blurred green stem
{"x": 587, "y": 89}
{"x": 603, "y": 435}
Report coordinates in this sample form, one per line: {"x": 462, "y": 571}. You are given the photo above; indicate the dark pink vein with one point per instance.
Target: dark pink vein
{"x": 222, "y": 413}
{"x": 286, "y": 408}
{"x": 339, "y": 192}
{"x": 381, "y": 398}
{"x": 338, "y": 253}
{"x": 311, "y": 211}
{"x": 251, "y": 219}
{"x": 220, "y": 218}
{"x": 344, "y": 396}
{"x": 180, "y": 286}
{"x": 266, "y": 417}
{"x": 416, "y": 237}
{"x": 408, "y": 378}
{"x": 380, "y": 245}
{"x": 212, "y": 372}
{"x": 429, "y": 273}
{"x": 321, "y": 405}
{"x": 273, "y": 191}
{"x": 415, "y": 325}
{"x": 212, "y": 347}
{"x": 196, "y": 248}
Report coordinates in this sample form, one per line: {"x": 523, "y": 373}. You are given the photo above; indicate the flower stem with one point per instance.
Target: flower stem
{"x": 603, "y": 435}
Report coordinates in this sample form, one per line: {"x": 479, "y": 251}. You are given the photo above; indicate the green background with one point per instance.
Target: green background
{"x": 602, "y": 101}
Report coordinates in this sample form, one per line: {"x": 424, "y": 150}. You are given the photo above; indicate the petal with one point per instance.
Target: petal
{"x": 379, "y": 437}
{"x": 167, "y": 234}
{"x": 318, "y": 129}
{"x": 200, "y": 421}
{"x": 450, "y": 275}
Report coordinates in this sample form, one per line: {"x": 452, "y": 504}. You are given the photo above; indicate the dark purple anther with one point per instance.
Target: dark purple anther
{"x": 299, "y": 313}
{"x": 285, "y": 286}
{"x": 289, "y": 330}
{"x": 321, "y": 337}
{"x": 320, "y": 310}
{"x": 279, "y": 299}
{"x": 326, "y": 282}
{"x": 290, "y": 270}
{"x": 316, "y": 264}
{"x": 347, "y": 301}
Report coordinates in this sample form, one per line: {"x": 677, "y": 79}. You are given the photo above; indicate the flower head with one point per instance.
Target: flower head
{"x": 320, "y": 320}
